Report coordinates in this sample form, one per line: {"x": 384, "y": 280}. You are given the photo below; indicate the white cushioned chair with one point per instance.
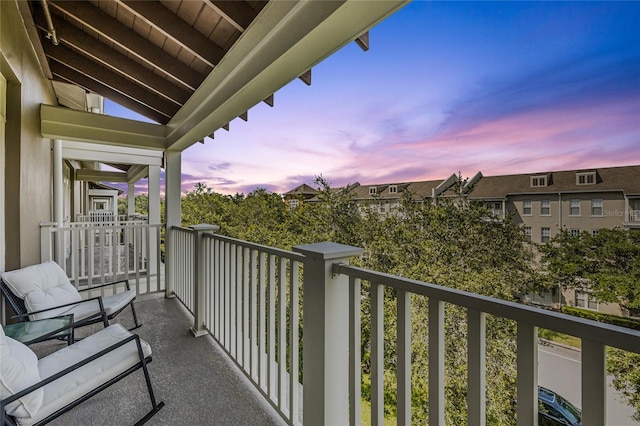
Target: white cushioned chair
{"x": 34, "y": 392}
{"x": 44, "y": 291}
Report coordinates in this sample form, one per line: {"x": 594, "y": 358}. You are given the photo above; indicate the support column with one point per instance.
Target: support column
{"x": 326, "y": 336}
{"x": 58, "y": 200}
{"x": 131, "y": 199}
{"x": 199, "y": 280}
{"x": 154, "y": 217}
{"x": 172, "y": 213}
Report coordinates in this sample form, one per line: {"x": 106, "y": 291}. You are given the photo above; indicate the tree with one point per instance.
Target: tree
{"x": 608, "y": 264}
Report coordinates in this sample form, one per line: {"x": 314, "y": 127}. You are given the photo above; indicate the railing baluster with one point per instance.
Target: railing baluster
{"x": 476, "y": 357}
{"x": 355, "y": 359}
{"x": 282, "y": 333}
{"x": 232, "y": 299}
{"x": 436, "y": 362}
{"x": 404, "y": 358}
{"x": 254, "y": 315}
{"x": 245, "y": 307}
{"x": 294, "y": 321}
{"x": 227, "y": 296}
{"x": 527, "y": 364}
{"x": 377, "y": 354}
{"x": 594, "y": 384}
{"x": 262, "y": 330}
{"x": 271, "y": 352}
{"x": 238, "y": 286}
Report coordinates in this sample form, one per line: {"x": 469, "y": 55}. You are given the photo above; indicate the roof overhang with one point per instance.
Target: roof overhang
{"x": 283, "y": 43}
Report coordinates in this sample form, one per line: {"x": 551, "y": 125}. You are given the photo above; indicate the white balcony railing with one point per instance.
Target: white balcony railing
{"x": 248, "y": 304}
{"x": 246, "y": 296}
{"x": 96, "y": 253}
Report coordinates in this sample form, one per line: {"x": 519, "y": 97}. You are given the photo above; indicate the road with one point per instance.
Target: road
{"x": 559, "y": 370}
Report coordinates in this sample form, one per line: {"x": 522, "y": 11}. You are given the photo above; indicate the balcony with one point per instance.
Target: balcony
{"x": 242, "y": 302}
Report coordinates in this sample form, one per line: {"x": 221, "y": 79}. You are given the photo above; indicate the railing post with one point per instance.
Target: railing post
{"x": 199, "y": 266}
{"x": 326, "y": 335}
{"x": 46, "y": 243}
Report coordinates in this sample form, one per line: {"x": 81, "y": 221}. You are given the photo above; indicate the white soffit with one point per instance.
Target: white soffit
{"x": 110, "y": 154}
{"x": 71, "y": 125}
{"x": 286, "y": 40}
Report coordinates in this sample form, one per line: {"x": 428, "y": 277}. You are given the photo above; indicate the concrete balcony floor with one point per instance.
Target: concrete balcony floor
{"x": 196, "y": 380}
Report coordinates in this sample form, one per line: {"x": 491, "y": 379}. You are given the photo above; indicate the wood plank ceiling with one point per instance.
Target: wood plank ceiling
{"x": 149, "y": 56}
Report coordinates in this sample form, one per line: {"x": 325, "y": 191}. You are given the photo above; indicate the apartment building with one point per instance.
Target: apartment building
{"x": 575, "y": 200}
{"x": 542, "y": 203}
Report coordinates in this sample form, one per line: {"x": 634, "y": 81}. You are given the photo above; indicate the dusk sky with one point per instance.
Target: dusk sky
{"x": 505, "y": 87}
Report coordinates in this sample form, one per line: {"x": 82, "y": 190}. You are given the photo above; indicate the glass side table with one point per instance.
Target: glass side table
{"x": 29, "y": 332}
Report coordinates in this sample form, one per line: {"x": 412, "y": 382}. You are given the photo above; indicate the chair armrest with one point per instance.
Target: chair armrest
{"x": 98, "y": 298}
{"x": 126, "y": 283}
{"x": 68, "y": 370}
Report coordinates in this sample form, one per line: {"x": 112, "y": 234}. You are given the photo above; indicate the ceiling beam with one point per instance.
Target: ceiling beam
{"x": 165, "y": 21}
{"x": 108, "y": 57}
{"x": 306, "y": 77}
{"x": 137, "y": 172}
{"x": 292, "y": 37}
{"x": 71, "y": 125}
{"x": 110, "y": 28}
{"x": 88, "y": 175}
{"x": 237, "y": 13}
{"x": 95, "y": 71}
{"x": 65, "y": 74}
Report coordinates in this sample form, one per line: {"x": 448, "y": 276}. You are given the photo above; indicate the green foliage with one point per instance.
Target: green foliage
{"x": 451, "y": 243}
{"x": 607, "y": 263}
{"x": 602, "y": 317}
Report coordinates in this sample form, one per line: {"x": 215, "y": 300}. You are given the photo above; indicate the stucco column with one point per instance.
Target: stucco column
{"x": 326, "y": 334}
{"x": 131, "y": 198}
{"x": 172, "y": 211}
{"x": 58, "y": 200}
{"x": 154, "y": 215}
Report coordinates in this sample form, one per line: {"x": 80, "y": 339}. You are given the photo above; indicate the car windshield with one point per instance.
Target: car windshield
{"x": 571, "y": 413}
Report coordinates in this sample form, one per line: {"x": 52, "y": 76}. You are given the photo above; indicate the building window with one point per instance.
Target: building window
{"x": 545, "y": 234}
{"x": 575, "y": 232}
{"x": 586, "y": 300}
{"x": 588, "y": 178}
{"x": 373, "y": 190}
{"x": 545, "y": 208}
{"x": 293, "y": 204}
{"x": 527, "y": 233}
{"x": 595, "y": 232}
{"x": 596, "y": 207}
{"x": 574, "y": 207}
{"x": 526, "y": 207}
{"x": 538, "y": 181}
{"x": 393, "y": 189}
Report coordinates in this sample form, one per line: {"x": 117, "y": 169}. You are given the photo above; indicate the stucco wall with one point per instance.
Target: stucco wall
{"x": 28, "y": 155}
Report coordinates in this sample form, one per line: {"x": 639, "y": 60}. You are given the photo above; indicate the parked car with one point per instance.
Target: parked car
{"x": 554, "y": 410}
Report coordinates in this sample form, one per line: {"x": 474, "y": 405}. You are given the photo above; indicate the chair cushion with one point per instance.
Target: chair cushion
{"x": 42, "y": 286}
{"x": 18, "y": 371}
{"x": 72, "y": 386}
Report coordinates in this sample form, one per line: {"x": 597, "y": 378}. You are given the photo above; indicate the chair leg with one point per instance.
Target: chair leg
{"x": 135, "y": 318}
{"x": 156, "y": 405}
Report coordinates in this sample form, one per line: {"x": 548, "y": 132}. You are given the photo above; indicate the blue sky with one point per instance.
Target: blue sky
{"x": 504, "y": 87}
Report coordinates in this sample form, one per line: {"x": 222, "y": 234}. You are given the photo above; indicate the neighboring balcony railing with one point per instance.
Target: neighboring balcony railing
{"x": 246, "y": 296}
{"x": 100, "y": 252}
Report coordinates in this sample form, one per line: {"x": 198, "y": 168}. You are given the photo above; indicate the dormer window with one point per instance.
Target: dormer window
{"x": 586, "y": 178}
{"x": 537, "y": 181}
{"x": 373, "y": 190}
{"x": 393, "y": 189}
